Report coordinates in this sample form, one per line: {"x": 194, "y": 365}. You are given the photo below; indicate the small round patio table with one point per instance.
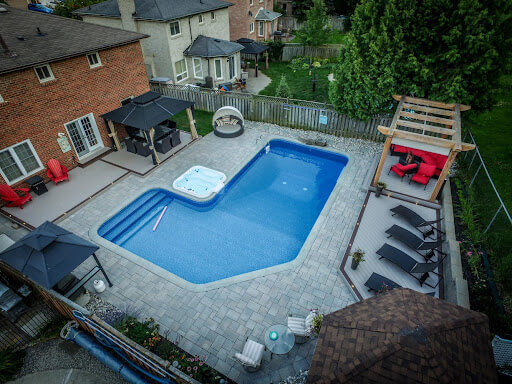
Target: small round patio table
{"x": 279, "y": 339}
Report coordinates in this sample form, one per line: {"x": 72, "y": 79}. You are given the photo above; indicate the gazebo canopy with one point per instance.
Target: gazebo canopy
{"x": 430, "y": 125}
{"x": 48, "y": 254}
{"x": 147, "y": 110}
{"x": 403, "y": 336}
{"x": 251, "y": 47}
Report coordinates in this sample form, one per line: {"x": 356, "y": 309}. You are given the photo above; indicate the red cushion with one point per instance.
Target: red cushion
{"x": 427, "y": 158}
{"x": 408, "y": 167}
{"x": 420, "y": 178}
{"x": 417, "y": 152}
{"x": 397, "y": 170}
{"x": 400, "y": 149}
{"x": 426, "y": 170}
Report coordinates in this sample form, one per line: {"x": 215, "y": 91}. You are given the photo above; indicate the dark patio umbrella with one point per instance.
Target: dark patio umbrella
{"x": 48, "y": 253}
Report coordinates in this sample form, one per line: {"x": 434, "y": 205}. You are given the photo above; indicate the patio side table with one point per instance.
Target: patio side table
{"x": 279, "y": 339}
{"x": 37, "y": 185}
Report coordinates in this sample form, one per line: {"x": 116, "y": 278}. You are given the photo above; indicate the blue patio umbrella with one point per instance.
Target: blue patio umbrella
{"x": 48, "y": 253}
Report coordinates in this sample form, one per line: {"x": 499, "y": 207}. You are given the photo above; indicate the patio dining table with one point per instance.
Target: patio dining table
{"x": 160, "y": 132}
{"x": 279, "y": 339}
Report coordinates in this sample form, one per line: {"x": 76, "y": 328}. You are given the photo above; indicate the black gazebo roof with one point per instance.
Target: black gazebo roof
{"x": 147, "y": 110}
{"x": 251, "y": 47}
{"x": 48, "y": 253}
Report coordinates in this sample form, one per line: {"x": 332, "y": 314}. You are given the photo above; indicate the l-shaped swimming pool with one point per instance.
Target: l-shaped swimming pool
{"x": 260, "y": 219}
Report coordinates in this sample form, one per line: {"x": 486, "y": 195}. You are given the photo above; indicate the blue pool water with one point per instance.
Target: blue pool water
{"x": 260, "y": 219}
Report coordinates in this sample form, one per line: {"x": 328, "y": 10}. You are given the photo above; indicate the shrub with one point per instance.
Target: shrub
{"x": 283, "y": 89}
{"x": 11, "y": 363}
{"x": 275, "y": 51}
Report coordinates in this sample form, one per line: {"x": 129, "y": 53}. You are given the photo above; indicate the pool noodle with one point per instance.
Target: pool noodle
{"x": 160, "y": 218}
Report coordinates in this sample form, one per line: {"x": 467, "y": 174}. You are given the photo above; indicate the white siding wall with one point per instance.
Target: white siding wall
{"x": 161, "y": 50}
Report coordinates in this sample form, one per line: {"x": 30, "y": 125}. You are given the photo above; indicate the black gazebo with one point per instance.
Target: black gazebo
{"x": 252, "y": 48}
{"x": 49, "y": 253}
{"x": 146, "y": 111}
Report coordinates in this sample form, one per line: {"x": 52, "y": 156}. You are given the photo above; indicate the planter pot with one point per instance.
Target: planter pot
{"x": 354, "y": 264}
{"x": 378, "y": 191}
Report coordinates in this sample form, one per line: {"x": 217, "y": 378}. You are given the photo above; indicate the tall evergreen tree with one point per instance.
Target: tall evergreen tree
{"x": 316, "y": 29}
{"x": 301, "y": 6}
{"x": 451, "y": 51}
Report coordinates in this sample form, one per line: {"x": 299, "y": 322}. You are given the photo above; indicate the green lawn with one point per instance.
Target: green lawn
{"x": 203, "y": 122}
{"x": 337, "y": 37}
{"x": 299, "y": 81}
{"x": 493, "y": 134}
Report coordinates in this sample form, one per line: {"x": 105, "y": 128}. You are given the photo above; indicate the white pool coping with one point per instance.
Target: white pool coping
{"x": 180, "y": 282}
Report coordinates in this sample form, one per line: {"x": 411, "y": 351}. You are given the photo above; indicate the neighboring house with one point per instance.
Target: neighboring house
{"x": 57, "y": 76}
{"x": 181, "y": 33}
{"x": 287, "y": 7}
{"x": 253, "y": 19}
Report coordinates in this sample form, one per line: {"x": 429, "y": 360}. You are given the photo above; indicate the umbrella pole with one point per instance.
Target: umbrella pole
{"x": 102, "y": 270}
{"x": 256, "y": 67}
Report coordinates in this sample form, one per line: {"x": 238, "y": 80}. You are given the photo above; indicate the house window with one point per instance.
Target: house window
{"x": 94, "y": 60}
{"x": 19, "y": 161}
{"x": 251, "y": 27}
{"x": 84, "y": 135}
{"x": 212, "y": 15}
{"x": 198, "y": 68}
{"x": 201, "y": 19}
{"x": 251, "y": 2}
{"x": 44, "y": 73}
{"x": 218, "y": 69}
{"x": 181, "y": 70}
{"x": 175, "y": 28}
{"x": 1, "y": 99}
{"x": 261, "y": 28}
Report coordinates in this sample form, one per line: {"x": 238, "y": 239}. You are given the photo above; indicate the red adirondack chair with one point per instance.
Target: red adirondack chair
{"x": 56, "y": 171}
{"x": 13, "y": 199}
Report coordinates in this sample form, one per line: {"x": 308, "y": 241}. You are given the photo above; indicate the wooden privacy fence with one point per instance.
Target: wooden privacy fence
{"x": 299, "y": 114}
{"x": 291, "y": 50}
{"x": 290, "y": 22}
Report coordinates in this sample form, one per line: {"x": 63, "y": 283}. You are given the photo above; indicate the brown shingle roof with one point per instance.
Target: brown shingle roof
{"x": 403, "y": 336}
{"x": 61, "y": 38}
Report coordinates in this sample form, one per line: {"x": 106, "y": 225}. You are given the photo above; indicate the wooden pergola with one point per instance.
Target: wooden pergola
{"x": 426, "y": 123}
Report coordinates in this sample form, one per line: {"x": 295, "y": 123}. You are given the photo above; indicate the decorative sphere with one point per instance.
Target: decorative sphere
{"x": 273, "y": 335}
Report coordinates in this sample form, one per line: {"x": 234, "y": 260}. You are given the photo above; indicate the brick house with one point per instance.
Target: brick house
{"x": 57, "y": 76}
{"x": 253, "y": 19}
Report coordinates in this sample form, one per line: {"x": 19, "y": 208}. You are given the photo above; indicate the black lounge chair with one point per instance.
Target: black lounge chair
{"x": 409, "y": 265}
{"x": 130, "y": 146}
{"x": 417, "y": 221}
{"x": 414, "y": 242}
{"x": 376, "y": 282}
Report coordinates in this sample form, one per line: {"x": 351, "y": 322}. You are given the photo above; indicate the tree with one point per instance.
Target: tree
{"x": 443, "y": 50}
{"x": 316, "y": 30}
{"x": 283, "y": 89}
{"x": 300, "y": 7}
{"x": 66, "y": 7}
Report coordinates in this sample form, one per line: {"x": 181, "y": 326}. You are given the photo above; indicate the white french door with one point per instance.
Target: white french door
{"x": 84, "y": 135}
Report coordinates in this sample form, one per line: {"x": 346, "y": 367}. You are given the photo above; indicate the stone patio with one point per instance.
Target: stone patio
{"x": 216, "y": 322}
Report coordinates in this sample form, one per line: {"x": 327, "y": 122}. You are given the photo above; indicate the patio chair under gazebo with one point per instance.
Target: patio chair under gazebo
{"x": 252, "y": 48}
{"x": 403, "y": 336}
{"x": 430, "y": 127}
{"x": 147, "y": 111}
{"x": 49, "y": 253}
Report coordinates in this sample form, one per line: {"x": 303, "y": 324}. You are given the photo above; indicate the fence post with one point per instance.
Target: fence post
{"x": 476, "y": 174}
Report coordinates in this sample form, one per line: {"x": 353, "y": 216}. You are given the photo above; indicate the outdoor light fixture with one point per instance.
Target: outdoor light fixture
{"x": 273, "y": 335}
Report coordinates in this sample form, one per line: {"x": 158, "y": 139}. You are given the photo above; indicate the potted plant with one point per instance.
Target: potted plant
{"x": 316, "y": 323}
{"x": 357, "y": 257}
{"x": 379, "y": 187}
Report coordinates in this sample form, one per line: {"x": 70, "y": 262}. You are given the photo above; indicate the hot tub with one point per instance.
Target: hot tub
{"x": 200, "y": 181}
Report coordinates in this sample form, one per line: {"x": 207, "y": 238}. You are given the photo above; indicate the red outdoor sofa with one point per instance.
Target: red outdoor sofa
{"x": 431, "y": 158}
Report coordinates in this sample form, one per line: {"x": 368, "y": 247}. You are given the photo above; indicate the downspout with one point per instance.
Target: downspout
{"x": 190, "y": 30}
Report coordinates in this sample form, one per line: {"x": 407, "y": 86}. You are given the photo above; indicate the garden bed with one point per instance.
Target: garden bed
{"x": 479, "y": 277}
